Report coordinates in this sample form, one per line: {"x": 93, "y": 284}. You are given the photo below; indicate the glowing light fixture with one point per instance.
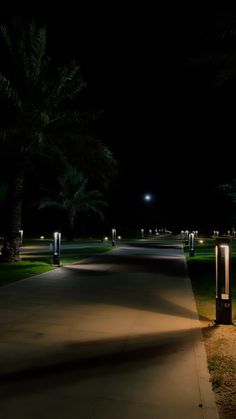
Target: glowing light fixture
{"x": 191, "y": 244}
{"x": 147, "y": 197}
{"x": 21, "y": 232}
{"x": 56, "y": 248}
{"x": 113, "y": 233}
{"x": 223, "y": 281}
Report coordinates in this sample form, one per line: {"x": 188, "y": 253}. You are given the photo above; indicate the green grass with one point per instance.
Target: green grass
{"x": 14, "y": 271}
{"x": 34, "y": 263}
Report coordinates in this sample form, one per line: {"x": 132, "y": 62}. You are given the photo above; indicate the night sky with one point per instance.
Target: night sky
{"x": 161, "y": 74}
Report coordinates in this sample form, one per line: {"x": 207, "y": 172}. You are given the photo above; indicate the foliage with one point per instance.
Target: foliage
{"x": 40, "y": 109}
{"x": 34, "y": 94}
{"x": 73, "y": 197}
{"x": 229, "y": 189}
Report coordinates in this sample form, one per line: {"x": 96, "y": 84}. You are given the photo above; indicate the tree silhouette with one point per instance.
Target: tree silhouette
{"x": 38, "y": 115}
{"x": 74, "y": 198}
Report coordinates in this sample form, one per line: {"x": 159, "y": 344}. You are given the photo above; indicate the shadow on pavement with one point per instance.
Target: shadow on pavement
{"x": 141, "y": 352}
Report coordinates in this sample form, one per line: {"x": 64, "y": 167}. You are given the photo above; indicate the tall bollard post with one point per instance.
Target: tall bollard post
{"x": 186, "y": 236}
{"x": 21, "y": 232}
{"x": 113, "y": 233}
{"x": 56, "y": 248}
{"x": 223, "y": 281}
{"x": 191, "y": 244}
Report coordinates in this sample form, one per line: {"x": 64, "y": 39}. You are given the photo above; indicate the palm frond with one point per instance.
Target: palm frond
{"x": 73, "y": 196}
{"x": 229, "y": 189}
{"x": 64, "y": 119}
{"x": 68, "y": 84}
{"x": 37, "y": 40}
{"x": 66, "y": 76}
{"x": 7, "y": 91}
{"x": 48, "y": 203}
{"x": 5, "y": 35}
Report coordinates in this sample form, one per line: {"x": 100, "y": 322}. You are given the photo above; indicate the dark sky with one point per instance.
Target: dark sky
{"x": 154, "y": 69}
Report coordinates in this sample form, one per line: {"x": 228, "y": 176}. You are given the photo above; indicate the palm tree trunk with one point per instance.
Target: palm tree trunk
{"x": 11, "y": 237}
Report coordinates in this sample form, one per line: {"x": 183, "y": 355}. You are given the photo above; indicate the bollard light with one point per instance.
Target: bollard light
{"x": 113, "y": 234}
{"x": 56, "y": 248}
{"x": 186, "y": 236}
{"x": 142, "y": 233}
{"x": 223, "y": 281}
{"x": 191, "y": 244}
{"x": 21, "y": 232}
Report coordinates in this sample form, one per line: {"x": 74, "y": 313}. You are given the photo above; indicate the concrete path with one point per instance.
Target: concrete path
{"x": 115, "y": 337}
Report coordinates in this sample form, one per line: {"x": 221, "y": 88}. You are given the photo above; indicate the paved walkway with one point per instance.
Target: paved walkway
{"x": 115, "y": 337}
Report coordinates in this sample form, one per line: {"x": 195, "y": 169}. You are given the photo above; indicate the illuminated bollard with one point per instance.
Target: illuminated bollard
{"x": 191, "y": 244}
{"x": 186, "y": 236}
{"x": 113, "y": 233}
{"x": 21, "y": 232}
{"x": 223, "y": 281}
{"x": 142, "y": 233}
{"x": 56, "y": 248}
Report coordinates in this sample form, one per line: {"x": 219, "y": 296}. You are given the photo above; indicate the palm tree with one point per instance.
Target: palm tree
{"x": 94, "y": 159}
{"x": 36, "y": 101}
{"x": 74, "y": 198}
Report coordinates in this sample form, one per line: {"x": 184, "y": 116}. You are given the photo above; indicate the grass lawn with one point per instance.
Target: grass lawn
{"x": 14, "y": 271}
{"x": 36, "y": 262}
